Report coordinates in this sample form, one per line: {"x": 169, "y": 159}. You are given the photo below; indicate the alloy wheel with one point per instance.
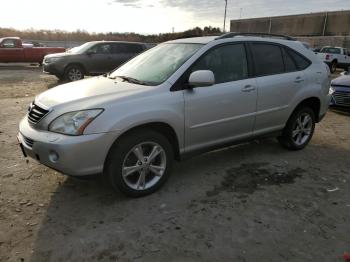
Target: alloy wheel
{"x": 144, "y": 165}
{"x": 302, "y": 129}
{"x": 75, "y": 74}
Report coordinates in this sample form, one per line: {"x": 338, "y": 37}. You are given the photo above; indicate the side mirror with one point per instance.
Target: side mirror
{"x": 201, "y": 78}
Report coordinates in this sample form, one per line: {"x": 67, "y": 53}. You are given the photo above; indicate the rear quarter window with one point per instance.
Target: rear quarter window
{"x": 289, "y": 63}
{"x": 300, "y": 61}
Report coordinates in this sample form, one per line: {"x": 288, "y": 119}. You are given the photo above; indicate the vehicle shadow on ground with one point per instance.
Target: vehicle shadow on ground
{"x": 56, "y": 83}
{"x": 87, "y": 221}
{"x": 341, "y": 110}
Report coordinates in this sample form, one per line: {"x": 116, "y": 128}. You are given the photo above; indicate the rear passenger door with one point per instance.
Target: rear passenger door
{"x": 279, "y": 78}
{"x": 224, "y": 111}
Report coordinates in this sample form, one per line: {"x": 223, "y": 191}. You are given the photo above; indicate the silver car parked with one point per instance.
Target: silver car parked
{"x": 179, "y": 98}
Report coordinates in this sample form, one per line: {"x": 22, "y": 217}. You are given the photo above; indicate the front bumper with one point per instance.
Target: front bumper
{"x": 341, "y": 97}
{"x": 71, "y": 155}
{"x": 52, "y": 69}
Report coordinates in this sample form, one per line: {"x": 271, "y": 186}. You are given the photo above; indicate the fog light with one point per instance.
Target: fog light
{"x": 53, "y": 156}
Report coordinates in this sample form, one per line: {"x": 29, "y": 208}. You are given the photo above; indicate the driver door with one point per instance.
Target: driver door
{"x": 99, "y": 58}
{"x": 226, "y": 110}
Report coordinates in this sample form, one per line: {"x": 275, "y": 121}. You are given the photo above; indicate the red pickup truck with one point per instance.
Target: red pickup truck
{"x": 12, "y": 50}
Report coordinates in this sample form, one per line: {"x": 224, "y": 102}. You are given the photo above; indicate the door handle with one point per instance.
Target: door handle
{"x": 298, "y": 79}
{"x": 248, "y": 88}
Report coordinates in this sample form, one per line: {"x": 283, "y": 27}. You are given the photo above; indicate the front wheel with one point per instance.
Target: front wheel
{"x": 139, "y": 163}
{"x": 74, "y": 73}
{"x": 299, "y": 129}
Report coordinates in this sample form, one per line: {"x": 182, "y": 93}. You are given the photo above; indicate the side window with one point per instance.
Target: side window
{"x": 134, "y": 48}
{"x": 124, "y": 48}
{"x": 300, "y": 61}
{"x": 289, "y": 63}
{"x": 9, "y": 43}
{"x": 268, "y": 59}
{"x": 101, "y": 49}
{"x": 228, "y": 63}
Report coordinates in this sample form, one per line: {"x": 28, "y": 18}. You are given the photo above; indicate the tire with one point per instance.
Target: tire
{"x": 74, "y": 73}
{"x": 298, "y": 130}
{"x": 132, "y": 173}
{"x": 333, "y": 66}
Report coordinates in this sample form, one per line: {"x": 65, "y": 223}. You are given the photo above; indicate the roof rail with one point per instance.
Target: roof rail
{"x": 234, "y": 34}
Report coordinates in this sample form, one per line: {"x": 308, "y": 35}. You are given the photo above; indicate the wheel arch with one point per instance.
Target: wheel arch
{"x": 314, "y": 103}
{"x": 160, "y": 127}
{"x": 75, "y": 64}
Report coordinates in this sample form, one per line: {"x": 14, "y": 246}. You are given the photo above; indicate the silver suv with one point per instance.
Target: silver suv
{"x": 179, "y": 98}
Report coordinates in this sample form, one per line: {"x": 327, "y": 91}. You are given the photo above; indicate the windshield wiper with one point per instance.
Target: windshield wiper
{"x": 130, "y": 80}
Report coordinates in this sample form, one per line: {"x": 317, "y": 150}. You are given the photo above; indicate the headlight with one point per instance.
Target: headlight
{"x": 331, "y": 90}
{"x": 51, "y": 59}
{"x": 74, "y": 123}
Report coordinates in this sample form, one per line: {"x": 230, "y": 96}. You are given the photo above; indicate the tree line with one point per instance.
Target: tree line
{"x": 82, "y": 35}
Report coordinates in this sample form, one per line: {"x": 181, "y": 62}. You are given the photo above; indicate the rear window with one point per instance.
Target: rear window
{"x": 330, "y": 50}
{"x": 268, "y": 59}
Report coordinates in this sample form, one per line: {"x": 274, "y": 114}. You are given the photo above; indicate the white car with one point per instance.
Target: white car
{"x": 334, "y": 57}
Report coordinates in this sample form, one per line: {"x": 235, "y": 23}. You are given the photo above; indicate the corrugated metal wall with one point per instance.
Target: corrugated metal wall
{"x": 314, "y": 24}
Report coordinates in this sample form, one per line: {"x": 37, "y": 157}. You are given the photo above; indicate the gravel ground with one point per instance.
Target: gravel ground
{"x": 253, "y": 202}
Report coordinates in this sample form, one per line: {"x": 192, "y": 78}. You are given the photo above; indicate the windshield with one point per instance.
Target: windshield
{"x": 156, "y": 65}
{"x": 80, "y": 49}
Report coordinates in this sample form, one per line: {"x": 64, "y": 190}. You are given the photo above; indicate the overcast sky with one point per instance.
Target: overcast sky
{"x": 147, "y": 17}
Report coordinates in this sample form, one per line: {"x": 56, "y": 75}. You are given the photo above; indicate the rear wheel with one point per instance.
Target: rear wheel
{"x": 333, "y": 66}
{"x": 139, "y": 163}
{"x": 299, "y": 129}
{"x": 74, "y": 73}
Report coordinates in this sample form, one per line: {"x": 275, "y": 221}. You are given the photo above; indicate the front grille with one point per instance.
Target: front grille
{"x": 342, "y": 98}
{"x": 29, "y": 142}
{"x": 36, "y": 113}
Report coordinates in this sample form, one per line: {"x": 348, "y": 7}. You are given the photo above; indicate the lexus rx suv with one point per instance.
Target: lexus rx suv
{"x": 177, "y": 99}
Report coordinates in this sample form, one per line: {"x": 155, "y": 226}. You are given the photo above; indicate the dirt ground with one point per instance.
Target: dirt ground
{"x": 253, "y": 202}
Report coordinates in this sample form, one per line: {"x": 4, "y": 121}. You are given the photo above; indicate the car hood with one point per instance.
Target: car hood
{"x": 89, "y": 92}
{"x": 342, "y": 81}
{"x": 64, "y": 54}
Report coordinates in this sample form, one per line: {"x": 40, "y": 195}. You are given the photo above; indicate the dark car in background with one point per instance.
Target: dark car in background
{"x": 91, "y": 58}
{"x": 340, "y": 90}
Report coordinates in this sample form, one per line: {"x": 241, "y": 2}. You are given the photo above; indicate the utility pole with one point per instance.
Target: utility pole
{"x": 225, "y": 16}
